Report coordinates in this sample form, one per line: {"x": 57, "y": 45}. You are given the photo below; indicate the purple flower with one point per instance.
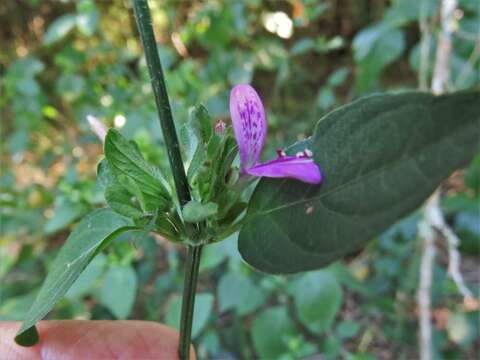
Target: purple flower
{"x": 250, "y": 128}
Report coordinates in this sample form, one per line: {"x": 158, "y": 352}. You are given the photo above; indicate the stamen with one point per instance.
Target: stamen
{"x": 300, "y": 154}
{"x": 281, "y": 153}
{"x": 308, "y": 153}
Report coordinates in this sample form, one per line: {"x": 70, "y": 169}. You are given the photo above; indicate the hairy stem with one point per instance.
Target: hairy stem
{"x": 144, "y": 24}
{"x": 189, "y": 288}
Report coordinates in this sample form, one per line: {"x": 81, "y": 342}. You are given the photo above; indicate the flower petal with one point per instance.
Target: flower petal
{"x": 97, "y": 127}
{"x": 300, "y": 168}
{"x": 249, "y": 123}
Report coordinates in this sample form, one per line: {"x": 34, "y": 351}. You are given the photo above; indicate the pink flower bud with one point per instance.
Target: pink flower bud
{"x": 220, "y": 127}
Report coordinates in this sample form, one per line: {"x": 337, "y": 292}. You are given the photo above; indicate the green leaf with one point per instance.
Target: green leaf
{"x": 326, "y": 97}
{"x": 302, "y": 46}
{"x": 118, "y": 290}
{"x": 380, "y": 158}
{"x": 59, "y": 28}
{"x": 87, "y": 279}
{"x": 201, "y": 123}
{"x": 317, "y": 297}
{"x": 202, "y": 311}
{"x": 87, "y": 17}
{"x": 120, "y": 200}
{"x": 105, "y": 175}
{"x": 236, "y": 291}
{"x": 91, "y": 235}
{"x": 198, "y": 158}
{"x": 365, "y": 40}
{"x": 195, "y": 211}
{"x": 132, "y": 170}
{"x": 188, "y": 141}
{"x": 338, "y": 77}
{"x": 65, "y": 213}
{"x": 222, "y": 161}
{"x": 347, "y": 329}
{"x": 214, "y": 254}
{"x": 270, "y": 332}
{"x": 386, "y": 50}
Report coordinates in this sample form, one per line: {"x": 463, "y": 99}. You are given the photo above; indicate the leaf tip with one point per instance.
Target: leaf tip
{"x": 28, "y": 337}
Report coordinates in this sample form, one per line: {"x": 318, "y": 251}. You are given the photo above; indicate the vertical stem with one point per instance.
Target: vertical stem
{"x": 425, "y": 42}
{"x": 441, "y": 72}
{"x": 433, "y": 221}
{"x": 144, "y": 24}
{"x": 424, "y": 300}
{"x": 188, "y": 301}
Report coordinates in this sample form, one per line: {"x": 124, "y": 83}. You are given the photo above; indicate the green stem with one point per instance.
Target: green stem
{"x": 188, "y": 302}
{"x": 144, "y": 24}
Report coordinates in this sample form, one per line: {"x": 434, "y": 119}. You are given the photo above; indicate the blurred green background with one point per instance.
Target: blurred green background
{"x": 62, "y": 60}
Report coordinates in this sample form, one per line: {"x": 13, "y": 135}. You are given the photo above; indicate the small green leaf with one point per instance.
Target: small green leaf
{"x": 87, "y": 17}
{"x": 270, "y": 332}
{"x": 201, "y": 123}
{"x": 59, "y": 28}
{"x": 195, "y": 211}
{"x": 380, "y": 157}
{"x": 118, "y": 290}
{"x": 236, "y": 291}
{"x": 386, "y": 50}
{"x": 338, "y": 77}
{"x": 105, "y": 175}
{"x": 222, "y": 162}
{"x": 120, "y": 200}
{"x": 198, "y": 158}
{"x": 366, "y": 39}
{"x": 302, "y": 46}
{"x": 131, "y": 169}
{"x": 317, "y": 297}
{"x": 188, "y": 141}
{"x": 347, "y": 329}
{"x": 91, "y": 235}
{"x": 65, "y": 212}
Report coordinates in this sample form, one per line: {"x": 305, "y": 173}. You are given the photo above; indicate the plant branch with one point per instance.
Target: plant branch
{"x": 433, "y": 223}
{"x": 144, "y": 24}
{"x": 425, "y": 43}
{"x": 428, "y": 236}
{"x": 189, "y": 286}
{"x": 441, "y": 72}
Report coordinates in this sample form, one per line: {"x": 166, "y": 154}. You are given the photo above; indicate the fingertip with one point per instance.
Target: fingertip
{"x": 80, "y": 339}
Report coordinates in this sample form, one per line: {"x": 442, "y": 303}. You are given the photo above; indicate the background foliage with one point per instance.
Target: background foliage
{"x": 62, "y": 60}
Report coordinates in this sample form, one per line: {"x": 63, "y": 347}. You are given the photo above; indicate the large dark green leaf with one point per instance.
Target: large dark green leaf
{"x": 380, "y": 157}
{"x": 94, "y": 232}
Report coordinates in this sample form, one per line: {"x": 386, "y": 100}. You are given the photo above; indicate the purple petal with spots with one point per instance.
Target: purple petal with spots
{"x": 300, "y": 168}
{"x": 249, "y": 123}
